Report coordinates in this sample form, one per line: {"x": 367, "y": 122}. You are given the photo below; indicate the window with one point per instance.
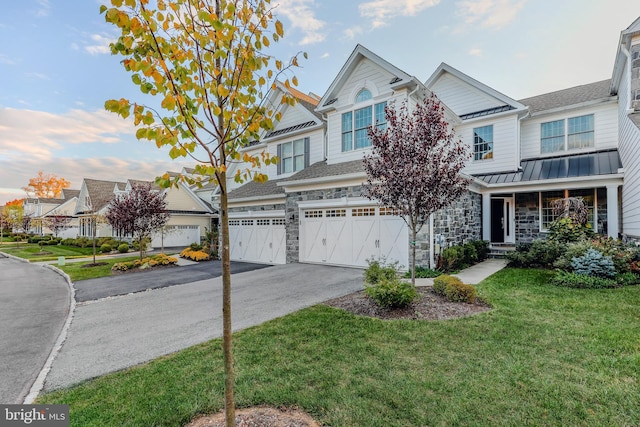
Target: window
{"x": 246, "y": 222}
{"x": 483, "y": 143}
{"x": 293, "y": 155}
{"x": 579, "y": 131}
{"x": 546, "y": 204}
{"x": 313, "y": 214}
{"x": 363, "y": 95}
{"x": 355, "y": 125}
{"x": 333, "y": 213}
{"x": 363, "y": 212}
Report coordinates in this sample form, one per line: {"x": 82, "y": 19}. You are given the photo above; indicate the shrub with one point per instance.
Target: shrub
{"x": 185, "y": 252}
{"x": 145, "y": 263}
{"x": 539, "y": 253}
{"x": 69, "y": 242}
{"x": 470, "y": 254}
{"x": 574, "y": 280}
{"x": 452, "y": 258}
{"x": 83, "y": 242}
{"x": 440, "y": 283}
{"x": 123, "y": 248}
{"x": 566, "y": 230}
{"x": 392, "y": 293}
{"x": 377, "y": 271}
{"x": 627, "y": 279}
{"x": 122, "y": 266}
{"x": 482, "y": 248}
{"x": 460, "y": 292}
{"x": 195, "y": 247}
{"x": 593, "y": 263}
{"x": 195, "y": 255}
{"x": 105, "y": 248}
{"x": 424, "y": 272}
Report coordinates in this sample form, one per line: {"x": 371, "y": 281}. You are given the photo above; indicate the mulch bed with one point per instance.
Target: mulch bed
{"x": 138, "y": 270}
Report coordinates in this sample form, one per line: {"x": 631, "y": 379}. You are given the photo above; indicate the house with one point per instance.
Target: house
{"x": 42, "y": 209}
{"x": 582, "y": 141}
{"x": 190, "y": 216}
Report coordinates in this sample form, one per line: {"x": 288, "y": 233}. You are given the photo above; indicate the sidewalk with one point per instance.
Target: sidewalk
{"x": 474, "y": 274}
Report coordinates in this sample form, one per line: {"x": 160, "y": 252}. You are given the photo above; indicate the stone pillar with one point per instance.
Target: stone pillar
{"x": 486, "y": 216}
{"x": 612, "y": 211}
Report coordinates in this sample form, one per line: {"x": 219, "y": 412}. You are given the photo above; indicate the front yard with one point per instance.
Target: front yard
{"x": 543, "y": 356}
{"x": 34, "y": 253}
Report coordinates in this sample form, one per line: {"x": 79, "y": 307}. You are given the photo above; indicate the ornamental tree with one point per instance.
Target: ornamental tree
{"x": 138, "y": 213}
{"x": 57, "y": 223}
{"x": 46, "y": 186}
{"x": 206, "y": 61}
{"x": 415, "y": 165}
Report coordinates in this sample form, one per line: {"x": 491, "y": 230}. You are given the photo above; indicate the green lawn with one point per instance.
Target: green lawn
{"x": 543, "y": 356}
{"x": 31, "y": 251}
{"x": 77, "y": 271}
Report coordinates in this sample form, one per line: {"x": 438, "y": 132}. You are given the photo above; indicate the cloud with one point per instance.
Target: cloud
{"x": 4, "y": 59}
{"x": 475, "y": 52}
{"x": 43, "y": 8}
{"x": 490, "y": 14}
{"x": 382, "y": 11}
{"x": 37, "y": 135}
{"x": 40, "y": 76}
{"x": 353, "y": 32}
{"x": 302, "y": 17}
{"x": 325, "y": 55}
{"x": 100, "y": 44}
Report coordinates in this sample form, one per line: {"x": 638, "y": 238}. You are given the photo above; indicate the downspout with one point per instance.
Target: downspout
{"x": 325, "y": 146}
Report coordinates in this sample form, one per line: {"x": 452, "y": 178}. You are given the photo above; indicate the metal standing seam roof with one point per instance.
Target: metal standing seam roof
{"x": 573, "y": 166}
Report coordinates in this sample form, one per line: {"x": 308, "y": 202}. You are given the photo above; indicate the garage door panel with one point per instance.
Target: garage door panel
{"x": 252, "y": 240}
{"x": 339, "y": 242}
{"x": 394, "y": 240}
{"x": 176, "y": 236}
{"x": 314, "y": 249}
{"x": 279, "y": 245}
{"x": 365, "y": 239}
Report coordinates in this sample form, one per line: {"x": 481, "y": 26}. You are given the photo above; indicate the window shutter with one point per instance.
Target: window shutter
{"x": 279, "y": 154}
{"x": 306, "y": 152}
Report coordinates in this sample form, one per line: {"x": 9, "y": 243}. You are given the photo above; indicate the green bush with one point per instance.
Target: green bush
{"x": 566, "y": 230}
{"x": 574, "y": 280}
{"x": 452, "y": 258}
{"x": 593, "y": 263}
{"x": 539, "y": 253}
{"x": 392, "y": 293}
{"x": 123, "y": 248}
{"x": 470, "y": 254}
{"x": 423, "y": 272}
{"x": 83, "y": 242}
{"x": 195, "y": 247}
{"x": 627, "y": 279}
{"x": 378, "y": 271}
{"x": 69, "y": 242}
{"x": 460, "y": 292}
{"x": 440, "y": 283}
{"x": 105, "y": 248}
{"x": 482, "y": 248}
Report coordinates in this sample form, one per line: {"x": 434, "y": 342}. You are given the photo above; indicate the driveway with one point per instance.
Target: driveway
{"x": 34, "y": 304}
{"x": 122, "y": 284}
{"x": 112, "y": 334}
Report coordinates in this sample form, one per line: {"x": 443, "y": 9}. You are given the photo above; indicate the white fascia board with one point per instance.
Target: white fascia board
{"x": 563, "y": 183}
{"x": 495, "y": 116}
{"x": 324, "y": 180}
{"x": 257, "y": 214}
{"x": 259, "y": 200}
{"x": 341, "y": 202}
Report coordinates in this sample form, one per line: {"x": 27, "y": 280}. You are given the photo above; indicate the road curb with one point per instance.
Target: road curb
{"x": 38, "y": 384}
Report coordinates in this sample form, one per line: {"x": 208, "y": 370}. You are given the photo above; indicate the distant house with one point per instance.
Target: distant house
{"x": 582, "y": 141}
{"x": 42, "y": 208}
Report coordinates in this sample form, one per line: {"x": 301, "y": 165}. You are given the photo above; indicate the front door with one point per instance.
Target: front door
{"x": 502, "y": 220}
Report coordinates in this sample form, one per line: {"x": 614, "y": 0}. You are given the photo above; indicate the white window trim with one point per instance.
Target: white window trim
{"x": 566, "y": 148}
{"x": 566, "y": 194}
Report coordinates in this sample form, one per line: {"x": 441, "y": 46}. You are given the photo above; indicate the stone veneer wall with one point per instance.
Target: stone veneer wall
{"x": 527, "y": 218}
{"x": 635, "y": 77}
{"x": 258, "y": 208}
{"x": 292, "y": 213}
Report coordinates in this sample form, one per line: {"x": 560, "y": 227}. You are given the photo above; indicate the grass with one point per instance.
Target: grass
{"x": 31, "y": 251}
{"x": 543, "y": 356}
{"x": 76, "y": 271}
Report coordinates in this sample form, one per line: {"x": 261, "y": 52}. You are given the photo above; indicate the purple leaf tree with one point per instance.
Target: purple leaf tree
{"x": 138, "y": 213}
{"x": 57, "y": 223}
{"x": 415, "y": 164}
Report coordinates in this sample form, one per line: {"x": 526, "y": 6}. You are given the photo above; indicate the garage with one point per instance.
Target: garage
{"x": 350, "y": 235}
{"x": 260, "y": 240}
{"x": 174, "y": 236}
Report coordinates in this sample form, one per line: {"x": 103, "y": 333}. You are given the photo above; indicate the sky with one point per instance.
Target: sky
{"x": 56, "y": 69}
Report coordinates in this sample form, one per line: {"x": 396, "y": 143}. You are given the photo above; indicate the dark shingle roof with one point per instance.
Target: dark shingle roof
{"x": 256, "y": 189}
{"x": 322, "y": 169}
{"x": 600, "y": 163}
{"x": 101, "y": 192}
{"x": 70, "y": 194}
{"x": 566, "y": 97}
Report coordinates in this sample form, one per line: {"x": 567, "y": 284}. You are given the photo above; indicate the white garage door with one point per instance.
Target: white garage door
{"x": 258, "y": 240}
{"x": 176, "y": 236}
{"x": 352, "y": 235}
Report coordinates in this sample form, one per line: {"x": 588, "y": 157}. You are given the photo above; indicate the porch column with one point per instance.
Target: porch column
{"x": 486, "y": 216}
{"x": 612, "y": 211}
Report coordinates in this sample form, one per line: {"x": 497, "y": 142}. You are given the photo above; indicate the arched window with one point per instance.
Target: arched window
{"x": 363, "y": 95}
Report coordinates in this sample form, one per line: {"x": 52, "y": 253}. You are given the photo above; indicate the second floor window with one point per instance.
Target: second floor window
{"x": 483, "y": 143}
{"x": 293, "y": 155}
{"x": 355, "y": 125}
{"x": 578, "y": 130}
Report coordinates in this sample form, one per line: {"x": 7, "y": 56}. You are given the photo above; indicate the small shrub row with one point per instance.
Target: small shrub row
{"x": 453, "y": 289}
{"x": 460, "y": 256}
{"x": 423, "y": 273}
{"x": 392, "y": 293}
{"x": 148, "y": 262}
{"x": 195, "y": 255}
{"x": 379, "y": 271}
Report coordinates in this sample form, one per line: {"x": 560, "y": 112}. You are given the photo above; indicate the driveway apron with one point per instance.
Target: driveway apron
{"x": 115, "y": 333}
{"x": 34, "y": 304}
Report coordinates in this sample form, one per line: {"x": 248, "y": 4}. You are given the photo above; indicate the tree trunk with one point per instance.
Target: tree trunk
{"x": 413, "y": 254}
{"x": 94, "y": 229}
{"x": 229, "y": 374}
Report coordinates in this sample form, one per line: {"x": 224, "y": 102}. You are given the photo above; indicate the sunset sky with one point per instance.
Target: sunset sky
{"x": 56, "y": 70}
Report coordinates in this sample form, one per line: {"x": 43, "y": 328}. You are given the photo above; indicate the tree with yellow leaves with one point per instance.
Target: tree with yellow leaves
{"x": 206, "y": 60}
{"x": 46, "y": 186}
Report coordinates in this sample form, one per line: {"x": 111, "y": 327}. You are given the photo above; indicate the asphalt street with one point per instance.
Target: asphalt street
{"x": 115, "y": 333}
{"x": 34, "y": 304}
{"x": 122, "y": 284}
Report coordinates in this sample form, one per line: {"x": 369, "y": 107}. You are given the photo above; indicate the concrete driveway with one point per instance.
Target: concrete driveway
{"x": 122, "y": 284}
{"x": 115, "y": 333}
{"x": 34, "y": 304}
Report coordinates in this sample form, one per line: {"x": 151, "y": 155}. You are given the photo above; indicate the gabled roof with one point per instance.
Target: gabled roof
{"x": 100, "y": 192}
{"x": 399, "y": 80}
{"x": 621, "y": 56}
{"x": 554, "y": 168}
{"x": 502, "y": 98}
{"x": 573, "y": 96}
{"x": 322, "y": 170}
{"x": 254, "y": 189}
{"x": 69, "y": 194}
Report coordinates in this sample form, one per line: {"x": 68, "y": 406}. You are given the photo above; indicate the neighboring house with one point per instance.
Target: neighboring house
{"x": 189, "y": 220}
{"x": 582, "y": 141}
{"x": 41, "y": 208}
